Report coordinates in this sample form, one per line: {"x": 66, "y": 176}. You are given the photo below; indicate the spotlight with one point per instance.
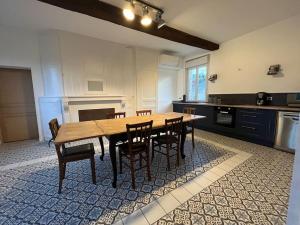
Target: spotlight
{"x": 128, "y": 14}
{"x": 146, "y": 19}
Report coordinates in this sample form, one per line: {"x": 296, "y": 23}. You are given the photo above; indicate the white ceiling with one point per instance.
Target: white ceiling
{"x": 215, "y": 20}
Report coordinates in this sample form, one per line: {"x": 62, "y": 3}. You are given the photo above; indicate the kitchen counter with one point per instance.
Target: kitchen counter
{"x": 277, "y": 108}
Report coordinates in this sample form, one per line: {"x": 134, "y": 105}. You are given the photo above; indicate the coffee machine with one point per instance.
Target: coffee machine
{"x": 262, "y": 98}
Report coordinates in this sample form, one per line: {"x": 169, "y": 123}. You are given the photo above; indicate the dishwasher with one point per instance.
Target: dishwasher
{"x": 287, "y": 123}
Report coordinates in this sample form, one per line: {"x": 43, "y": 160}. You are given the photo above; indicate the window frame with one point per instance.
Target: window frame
{"x": 206, "y": 81}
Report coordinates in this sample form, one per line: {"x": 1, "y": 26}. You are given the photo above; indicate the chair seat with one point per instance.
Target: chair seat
{"x": 136, "y": 148}
{"x": 78, "y": 150}
{"x": 165, "y": 139}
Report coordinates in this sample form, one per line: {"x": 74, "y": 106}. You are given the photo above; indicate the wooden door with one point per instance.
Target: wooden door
{"x": 17, "y": 107}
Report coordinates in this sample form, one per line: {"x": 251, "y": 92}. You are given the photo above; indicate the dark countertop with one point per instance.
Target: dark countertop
{"x": 277, "y": 108}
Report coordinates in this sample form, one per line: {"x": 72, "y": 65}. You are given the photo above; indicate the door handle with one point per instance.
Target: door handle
{"x": 252, "y": 116}
{"x": 290, "y": 115}
{"x": 224, "y": 112}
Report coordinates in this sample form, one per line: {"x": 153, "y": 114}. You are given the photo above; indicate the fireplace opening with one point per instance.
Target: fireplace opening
{"x": 94, "y": 114}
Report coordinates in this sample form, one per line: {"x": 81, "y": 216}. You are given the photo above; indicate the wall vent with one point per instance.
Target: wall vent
{"x": 95, "y": 86}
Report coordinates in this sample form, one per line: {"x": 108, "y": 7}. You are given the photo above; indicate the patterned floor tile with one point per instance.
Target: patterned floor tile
{"x": 255, "y": 192}
{"x": 29, "y": 193}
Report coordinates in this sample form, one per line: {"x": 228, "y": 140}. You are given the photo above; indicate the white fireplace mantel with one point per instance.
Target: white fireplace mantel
{"x": 85, "y": 98}
{"x": 72, "y": 104}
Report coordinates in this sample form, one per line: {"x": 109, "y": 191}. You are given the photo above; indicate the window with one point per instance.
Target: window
{"x": 196, "y": 82}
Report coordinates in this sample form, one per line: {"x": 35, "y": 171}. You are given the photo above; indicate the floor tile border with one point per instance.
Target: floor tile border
{"x": 160, "y": 207}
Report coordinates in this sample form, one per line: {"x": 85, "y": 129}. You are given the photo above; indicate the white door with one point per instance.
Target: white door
{"x": 167, "y": 89}
{"x": 146, "y": 71}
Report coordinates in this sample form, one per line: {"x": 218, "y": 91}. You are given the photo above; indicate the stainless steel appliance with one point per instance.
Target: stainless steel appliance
{"x": 293, "y": 99}
{"x": 287, "y": 123}
{"x": 225, "y": 116}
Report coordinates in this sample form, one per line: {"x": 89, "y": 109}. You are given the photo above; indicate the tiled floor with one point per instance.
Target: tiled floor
{"x": 223, "y": 181}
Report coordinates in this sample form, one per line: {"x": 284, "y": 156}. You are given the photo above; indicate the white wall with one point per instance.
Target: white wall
{"x": 294, "y": 202}
{"x": 51, "y": 63}
{"x": 242, "y": 63}
{"x": 69, "y": 60}
{"x": 89, "y": 58}
{"x": 20, "y": 49}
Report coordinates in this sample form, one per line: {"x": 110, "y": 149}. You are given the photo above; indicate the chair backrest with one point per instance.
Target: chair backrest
{"x": 189, "y": 110}
{"x": 139, "y": 135}
{"x": 173, "y": 127}
{"x": 54, "y": 127}
{"x": 116, "y": 115}
{"x": 144, "y": 112}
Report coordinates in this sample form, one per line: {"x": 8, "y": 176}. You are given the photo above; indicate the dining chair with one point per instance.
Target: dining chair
{"x": 71, "y": 154}
{"x": 116, "y": 115}
{"x": 138, "y": 145}
{"x": 110, "y": 116}
{"x": 190, "y": 127}
{"x": 55, "y": 122}
{"x": 169, "y": 141}
{"x": 144, "y": 112}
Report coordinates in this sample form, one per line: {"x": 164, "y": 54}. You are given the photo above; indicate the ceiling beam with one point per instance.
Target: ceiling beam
{"x": 111, "y": 13}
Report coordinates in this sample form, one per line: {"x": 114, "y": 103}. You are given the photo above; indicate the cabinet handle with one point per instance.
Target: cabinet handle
{"x": 250, "y": 128}
{"x": 253, "y": 116}
{"x": 224, "y": 112}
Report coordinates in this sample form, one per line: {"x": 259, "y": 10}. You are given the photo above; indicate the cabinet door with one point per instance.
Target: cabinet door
{"x": 201, "y": 110}
{"x": 256, "y": 123}
{"x": 178, "y": 107}
{"x": 207, "y": 111}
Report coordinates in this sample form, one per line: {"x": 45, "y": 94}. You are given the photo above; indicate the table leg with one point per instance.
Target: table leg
{"x": 112, "y": 153}
{"x": 183, "y": 137}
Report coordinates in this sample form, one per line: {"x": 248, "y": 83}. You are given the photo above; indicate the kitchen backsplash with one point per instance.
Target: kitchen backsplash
{"x": 247, "y": 99}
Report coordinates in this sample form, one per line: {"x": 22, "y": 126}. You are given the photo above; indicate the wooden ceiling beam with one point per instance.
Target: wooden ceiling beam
{"x": 111, "y": 13}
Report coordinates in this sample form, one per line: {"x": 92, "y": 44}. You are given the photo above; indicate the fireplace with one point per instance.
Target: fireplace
{"x": 94, "y": 114}
{"x": 85, "y": 108}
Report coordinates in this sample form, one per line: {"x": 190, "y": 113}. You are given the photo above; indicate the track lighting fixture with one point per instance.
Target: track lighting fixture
{"x": 146, "y": 19}
{"x": 148, "y": 11}
{"x": 160, "y": 21}
{"x": 128, "y": 12}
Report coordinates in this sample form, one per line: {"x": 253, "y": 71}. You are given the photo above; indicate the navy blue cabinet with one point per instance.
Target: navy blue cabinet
{"x": 257, "y": 125}
{"x": 254, "y": 125}
{"x": 202, "y": 110}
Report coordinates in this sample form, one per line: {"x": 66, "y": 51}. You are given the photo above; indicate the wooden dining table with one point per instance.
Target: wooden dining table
{"x": 115, "y": 131}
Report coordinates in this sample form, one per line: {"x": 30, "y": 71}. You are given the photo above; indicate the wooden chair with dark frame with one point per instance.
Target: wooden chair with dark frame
{"x": 190, "y": 128}
{"x": 110, "y": 116}
{"x": 116, "y": 115}
{"x": 170, "y": 140}
{"x": 138, "y": 144}
{"x": 56, "y": 125}
{"x": 71, "y": 154}
{"x": 144, "y": 112}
